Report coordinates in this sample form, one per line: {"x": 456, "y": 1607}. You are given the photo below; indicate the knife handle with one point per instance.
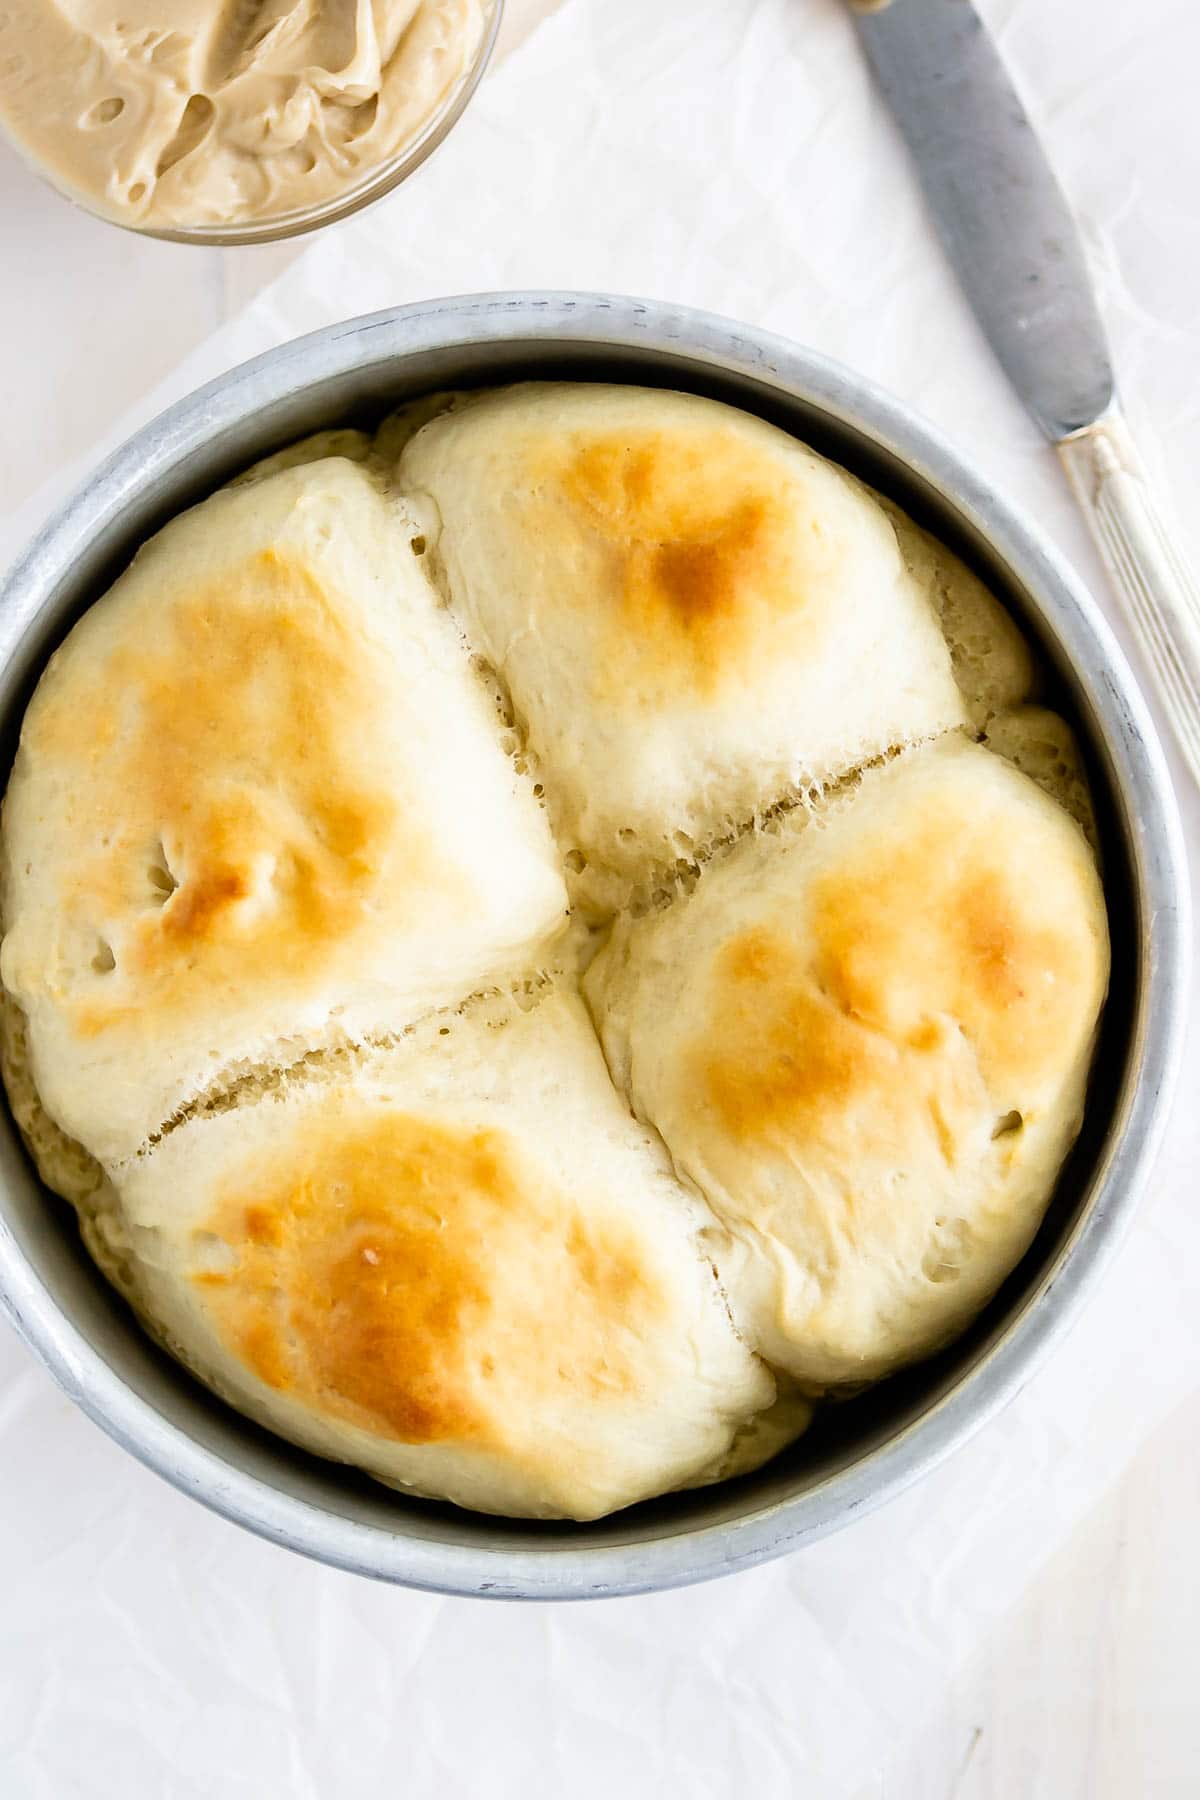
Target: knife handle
{"x": 1159, "y": 592}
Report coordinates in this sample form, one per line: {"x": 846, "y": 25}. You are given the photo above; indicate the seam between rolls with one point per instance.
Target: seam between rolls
{"x": 228, "y": 1091}
{"x": 665, "y": 886}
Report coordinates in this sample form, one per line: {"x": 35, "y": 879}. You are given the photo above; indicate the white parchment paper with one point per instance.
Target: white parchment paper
{"x": 727, "y": 154}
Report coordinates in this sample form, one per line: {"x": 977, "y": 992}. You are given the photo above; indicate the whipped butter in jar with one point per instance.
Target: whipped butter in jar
{"x": 234, "y": 120}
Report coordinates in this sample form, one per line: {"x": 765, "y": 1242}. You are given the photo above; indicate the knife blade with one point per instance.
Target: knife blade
{"x": 1008, "y": 231}
{"x": 1001, "y": 215}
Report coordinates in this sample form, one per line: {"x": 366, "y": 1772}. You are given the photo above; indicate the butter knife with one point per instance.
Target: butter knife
{"x": 1009, "y": 234}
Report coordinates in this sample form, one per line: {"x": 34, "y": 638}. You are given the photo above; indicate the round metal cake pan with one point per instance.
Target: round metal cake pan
{"x": 859, "y": 1452}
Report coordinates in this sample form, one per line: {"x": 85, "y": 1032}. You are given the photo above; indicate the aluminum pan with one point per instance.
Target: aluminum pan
{"x": 861, "y": 1453}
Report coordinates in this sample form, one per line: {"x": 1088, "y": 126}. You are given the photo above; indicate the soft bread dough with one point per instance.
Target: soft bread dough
{"x": 294, "y": 1022}
{"x": 260, "y": 802}
{"x": 458, "y": 1263}
{"x": 63, "y": 1163}
{"x": 695, "y": 615}
{"x": 1041, "y": 744}
{"x": 992, "y": 663}
{"x": 866, "y": 1042}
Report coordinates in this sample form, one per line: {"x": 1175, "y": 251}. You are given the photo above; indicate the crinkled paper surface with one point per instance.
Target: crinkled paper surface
{"x": 728, "y": 154}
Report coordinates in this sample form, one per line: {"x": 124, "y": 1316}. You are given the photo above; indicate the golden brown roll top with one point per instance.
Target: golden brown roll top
{"x": 694, "y": 614}
{"x": 866, "y": 1041}
{"x": 260, "y": 794}
{"x": 460, "y": 1264}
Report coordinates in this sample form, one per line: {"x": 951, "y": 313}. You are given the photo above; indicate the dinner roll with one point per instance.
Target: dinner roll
{"x": 992, "y": 662}
{"x": 1042, "y": 744}
{"x": 457, "y": 1263}
{"x": 63, "y": 1163}
{"x": 260, "y": 801}
{"x": 866, "y": 1040}
{"x": 695, "y": 616}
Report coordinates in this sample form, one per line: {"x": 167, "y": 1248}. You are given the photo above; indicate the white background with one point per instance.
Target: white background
{"x": 1022, "y": 1625}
